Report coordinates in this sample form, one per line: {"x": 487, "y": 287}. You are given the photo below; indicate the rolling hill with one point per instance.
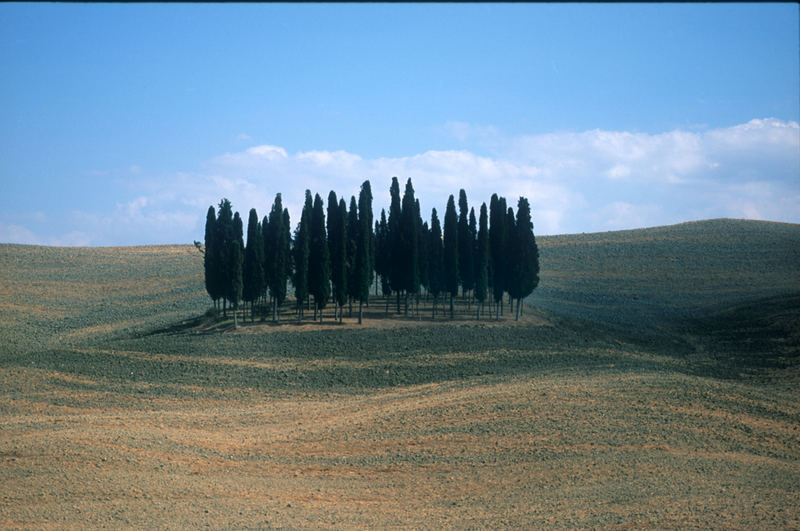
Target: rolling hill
{"x": 653, "y": 382}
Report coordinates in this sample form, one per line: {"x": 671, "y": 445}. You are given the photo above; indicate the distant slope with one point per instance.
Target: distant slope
{"x": 655, "y": 277}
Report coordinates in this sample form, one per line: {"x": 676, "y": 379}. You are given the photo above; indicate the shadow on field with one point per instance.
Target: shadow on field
{"x": 750, "y": 337}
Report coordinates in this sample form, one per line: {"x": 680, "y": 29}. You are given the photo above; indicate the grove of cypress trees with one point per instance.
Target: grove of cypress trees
{"x": 482, "y": 260}
{"x": 450, "y": 250}
{"x": 253, "y": 274}
{"x": 319, "y": 262}
{"x": 524, "y": 256}
{"x": 301, "y": 252}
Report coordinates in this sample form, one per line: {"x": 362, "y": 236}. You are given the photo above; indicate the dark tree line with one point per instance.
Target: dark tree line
{"x": 335, "y": 251}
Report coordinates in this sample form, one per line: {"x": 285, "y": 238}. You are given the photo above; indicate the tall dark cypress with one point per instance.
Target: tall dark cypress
{"x": 409, "y": 237}
{"x": 424, "y": 268}
{"x": 450, "y": 259}
{"x": 482, "y": 260}
{"x": 253, "y": 274}
{"x": 211, "y": 257}
{"x": 508, "y": 275}
{"x": 382, "y": 258}
{"x": 395, "y": 241}
{"x": 301, "y": 251}
{"x": 283, "y": 262}
{"x": 319, "y": 262}
{"x": 337, "y": 247}
{"x": 276, "y": 255}
{"x": 224, "y": 237}
{"x": 435, "y": 260}
{"x": 465, "y": 245}
{"x": 235, "y": 255}
{"x": 352, "y": 249}
{"x": 268, "y": 245}
{"x": 363, "y": 247}
{"x": 524, "y": 255}
{"x": 497, "y": 247}
{"x": 339, "y": 268}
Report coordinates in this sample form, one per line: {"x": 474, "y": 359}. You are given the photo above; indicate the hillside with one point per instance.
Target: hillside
{"x": 653, "y": 383}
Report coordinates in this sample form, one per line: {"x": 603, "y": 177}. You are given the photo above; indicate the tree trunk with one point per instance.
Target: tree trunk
{"x": 235, "y": 322}
{"x": 398, "y": 301}
{"x": 387, "y": 305}
{"x": 452, "y": 307}
{"x": 406, "y": 301}
{"x": 320, "y": 316}
{"x": 360, "y": 312}
{"x": 341, "y": 311}
{"x": 519, "y": 311}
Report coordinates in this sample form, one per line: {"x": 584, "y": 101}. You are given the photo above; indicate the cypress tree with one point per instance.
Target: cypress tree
{"x": 319, "y": 262}
{"x": 450, "y": 250}
{"x": 283, "y": 258}
{"x": 482, "y": 260}
{"x": 424, "y": 252}
{"x": 382, "y": 258}
{"x": 235, "y": 255}
{"x": 337, "y": 249}
{"x": 435, "y": 260}
{"x": 497, "y": 246}
{"x": 269, "y": 244}
{"x": 465, "y": 245}
{"x": 301, "y": 251}
{"x": 363, "y": 246}
{"x": 365, "y": 220}
{"x": 525, "y": 256}
{"x": 275, "y": 259}
{"x": 224, "y": 237}
{"x": 409, "y": 238}
{"x": 395, "y": 241}
{"x": 338, "y": 239}
{"x": 211, "y": 257}
{"x": 508, "y": 274}
{"x": 253, "y": 274}
{"x": 352, "y": 248}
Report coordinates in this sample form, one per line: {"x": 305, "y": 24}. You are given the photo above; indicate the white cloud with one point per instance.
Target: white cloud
{"x": 575, "y": 182}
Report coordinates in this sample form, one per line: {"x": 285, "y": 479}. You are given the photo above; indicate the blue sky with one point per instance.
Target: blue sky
{"x": 121, "y": 124}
